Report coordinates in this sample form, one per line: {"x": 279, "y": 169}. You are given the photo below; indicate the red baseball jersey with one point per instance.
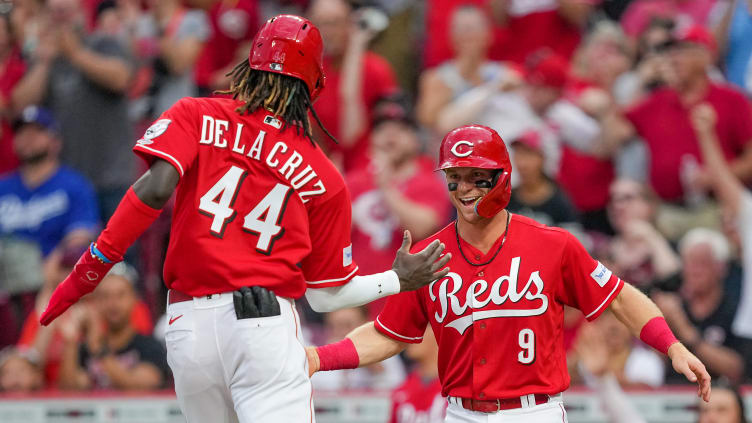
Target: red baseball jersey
{"x": 255, "y": 205}
{"x": 418, "y": 401}
{"x": 498, "y": 316}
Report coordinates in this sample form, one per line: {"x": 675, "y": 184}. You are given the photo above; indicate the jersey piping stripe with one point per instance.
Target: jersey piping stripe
{"x": 618, "y": 282}
{"x": 348, "y": 277}
{"x": 165, "y": 156}
{"x": 396, "y": 334}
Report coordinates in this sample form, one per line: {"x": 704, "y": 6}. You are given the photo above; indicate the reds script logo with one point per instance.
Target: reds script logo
{"x": 456, "y": 150}
{"x": 502, "y": 290}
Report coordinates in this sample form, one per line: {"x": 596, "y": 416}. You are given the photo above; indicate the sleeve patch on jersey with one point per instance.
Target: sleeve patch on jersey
{"x": 347, "y": 256}
{"x": 272, "y": 121}
{"x": 156, "y": 129}
{"x": 601, "y": 275}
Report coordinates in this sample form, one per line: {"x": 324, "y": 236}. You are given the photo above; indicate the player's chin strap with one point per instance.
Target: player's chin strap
{"x": 497, "y": 199}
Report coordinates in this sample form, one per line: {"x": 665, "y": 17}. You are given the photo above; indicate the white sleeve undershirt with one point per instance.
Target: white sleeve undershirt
{"x": 358, "y": 291}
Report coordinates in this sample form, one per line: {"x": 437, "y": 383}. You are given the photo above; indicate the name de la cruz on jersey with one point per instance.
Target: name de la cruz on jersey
{"x": 480, "y": 293}
{"x": 285, "y": 160}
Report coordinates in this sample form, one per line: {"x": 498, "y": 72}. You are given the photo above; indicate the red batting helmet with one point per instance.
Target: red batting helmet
{"x": 290, "y": 45}
{"x": 481, "y": 147}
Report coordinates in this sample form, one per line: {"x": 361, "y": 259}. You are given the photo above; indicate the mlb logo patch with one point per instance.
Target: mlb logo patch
{"x": 156, "y": 129}
{"x": 272, "y": 121}
{"x": 347, "y": 256}
{"x": 601, "y": 275}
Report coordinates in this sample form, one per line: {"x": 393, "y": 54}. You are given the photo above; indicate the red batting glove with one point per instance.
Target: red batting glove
{"x": 86, "y": 275}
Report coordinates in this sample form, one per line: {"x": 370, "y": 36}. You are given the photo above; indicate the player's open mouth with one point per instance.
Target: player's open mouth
{"x": 469, "y": 200}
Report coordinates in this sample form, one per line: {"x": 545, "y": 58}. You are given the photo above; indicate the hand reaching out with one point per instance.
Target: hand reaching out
{"x": 422, "y": 268}
{"x": 684, "y": 362}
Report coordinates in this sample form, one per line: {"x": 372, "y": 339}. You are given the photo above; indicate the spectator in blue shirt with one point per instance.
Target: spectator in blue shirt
{"x": 43, "y": 204}
{"x": 733, "y": 33}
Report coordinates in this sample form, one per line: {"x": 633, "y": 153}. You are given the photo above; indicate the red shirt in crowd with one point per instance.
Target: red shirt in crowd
{"x": 233, "y": 23}
{"x": 376, "y": 233}
{"x": 378, "y": 81}
{"x": 12, "y": 71}
{"x": 418, "y": 401}
{"x": 532, "y": 24}
{"x": 498, "y": 316}
{"x": 662, "y": 121}
{"x": 256, "y": 203}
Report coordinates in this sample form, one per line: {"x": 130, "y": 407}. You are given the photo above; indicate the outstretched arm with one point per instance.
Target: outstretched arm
{"x": 137, "y": 211}
{"x": 362, "y": 347}
{"x": 409, "y": 272}
{"x": 725, "y": 184}
{"x": 644, "y": 320}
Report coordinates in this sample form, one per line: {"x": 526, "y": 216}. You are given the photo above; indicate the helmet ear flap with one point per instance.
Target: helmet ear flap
{"x": 498, "y": 198}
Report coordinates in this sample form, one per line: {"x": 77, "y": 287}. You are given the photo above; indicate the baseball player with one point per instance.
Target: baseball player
{"x": 260, "y": 216}
{"x": 497, "y": 316}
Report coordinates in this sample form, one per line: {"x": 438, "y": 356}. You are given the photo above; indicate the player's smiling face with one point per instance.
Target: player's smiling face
{"x": 464, "y": 191}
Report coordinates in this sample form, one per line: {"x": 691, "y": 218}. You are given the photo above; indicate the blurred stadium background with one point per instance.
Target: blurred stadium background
{"x": 614, "y": 111}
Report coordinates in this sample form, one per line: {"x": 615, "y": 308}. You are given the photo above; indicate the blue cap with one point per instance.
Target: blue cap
{"x": 38, "y": 116}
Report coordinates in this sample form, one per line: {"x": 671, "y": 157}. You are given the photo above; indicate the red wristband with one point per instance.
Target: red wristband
{"x": 130, "y": 220}
{"x": 657, "y": 334}
{"x": 339, "y": 355}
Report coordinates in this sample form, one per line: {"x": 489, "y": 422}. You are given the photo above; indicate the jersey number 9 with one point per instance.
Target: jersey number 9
{"x": 526, "y": 340}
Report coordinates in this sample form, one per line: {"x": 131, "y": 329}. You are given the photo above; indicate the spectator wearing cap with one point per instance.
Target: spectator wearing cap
{"x": 398, "y": 190}
{"x": 82, "y": 78}
{"x": 355, "y": 79}
{"x": 458, "y": 91}
{"x": 573, "y": 141}
{"x": 675, "y": 170}
{"x": 537, "y": 196}
{"x": 43, "y": 203}
{"x": 103, "y": 349}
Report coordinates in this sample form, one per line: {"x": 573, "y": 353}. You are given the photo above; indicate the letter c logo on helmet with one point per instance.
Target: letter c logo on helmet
{"x": 468, "y": 151}
{"x": 292, "y": 46}
{"x": 480, "y": 147}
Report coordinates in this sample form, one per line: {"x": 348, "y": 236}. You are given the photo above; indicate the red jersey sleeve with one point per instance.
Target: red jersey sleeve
{"x": 403, "y": 318}
{"x": 586, "y": 283}
{"x": 330, "y": 262}
{"x": 173, "y": 137}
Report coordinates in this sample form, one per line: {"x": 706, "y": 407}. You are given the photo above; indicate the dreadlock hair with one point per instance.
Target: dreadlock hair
{"x": 282, "y": 95}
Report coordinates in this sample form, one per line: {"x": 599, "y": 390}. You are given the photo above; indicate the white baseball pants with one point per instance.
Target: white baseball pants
{"x": 228, "y": 370}
{"x": 550, "y": 412}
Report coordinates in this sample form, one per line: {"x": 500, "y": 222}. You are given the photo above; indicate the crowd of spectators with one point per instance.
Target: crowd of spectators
{"x": 629, "y": 123}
